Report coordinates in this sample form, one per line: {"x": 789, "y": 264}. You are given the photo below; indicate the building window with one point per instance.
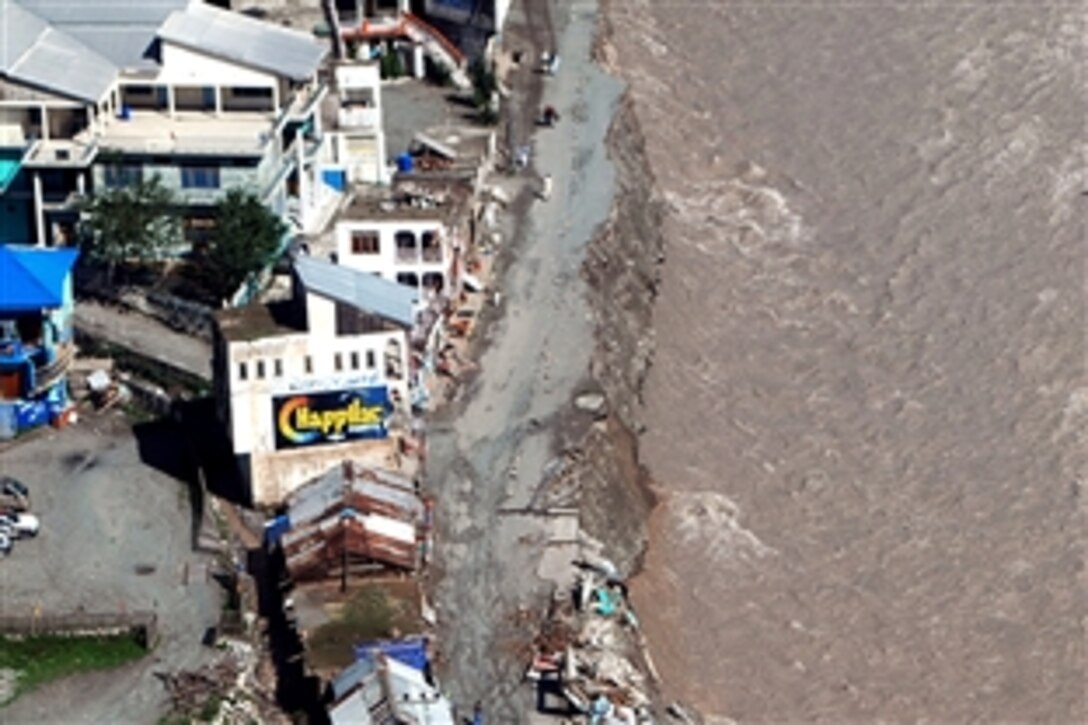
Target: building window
{"x": 365, "y": 243}
{"x": 260, "y": 369}
{"x": 309, "y": 365}
{"x": 432, "y": 247}
{"x": 200, "y": 177}
{"x": 250, "y": 92}
{"x": 370, "y": 362}
{"x": 354, "y": 361}
{"x": 408, "y": 279}
{"x": 434, "y": 281}
{"x": 117, "y": 176}
{"x": 338, "y": 362}
{"x": 406, "y": 246}
{"x": 243, "y": 371}
{"x": 277, "y": 368}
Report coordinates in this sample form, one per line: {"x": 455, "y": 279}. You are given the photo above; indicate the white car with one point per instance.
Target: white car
{"x": 20, "y": 524}
{"x": 5, "y": 543}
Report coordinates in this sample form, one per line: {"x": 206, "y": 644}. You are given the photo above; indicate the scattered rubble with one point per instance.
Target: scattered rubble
{"x": 589, "y": 653}
{"x": 226, "y": 692}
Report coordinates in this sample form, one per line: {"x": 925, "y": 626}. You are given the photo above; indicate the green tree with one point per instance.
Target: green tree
{"x": 245, "y": 236}
{"x": 391, "y": 65}
{"x": 131, "y": 223}
{"x": 484, "y": 86}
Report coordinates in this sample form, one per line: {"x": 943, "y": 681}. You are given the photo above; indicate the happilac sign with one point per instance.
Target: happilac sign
{"x": 330, "y": 417}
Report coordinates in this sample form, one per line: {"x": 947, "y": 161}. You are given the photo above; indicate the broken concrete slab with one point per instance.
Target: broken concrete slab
{"x": 593, "y": 403}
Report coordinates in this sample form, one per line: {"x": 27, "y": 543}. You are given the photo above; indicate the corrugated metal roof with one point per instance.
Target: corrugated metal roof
{"x": 62, "y": 64}
{"x": 245, "y": 40}
{"x": 104, "y": 12}
{"x": 352, "y": 677}
{"x": 19, "y": 30}
{"x": 121, "y": 31}
{"x": 127, "y": 47}
{"x": 363, "y": 291}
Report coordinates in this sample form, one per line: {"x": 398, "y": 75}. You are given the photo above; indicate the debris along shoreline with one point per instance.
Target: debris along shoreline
{"x": 534, "y": 469}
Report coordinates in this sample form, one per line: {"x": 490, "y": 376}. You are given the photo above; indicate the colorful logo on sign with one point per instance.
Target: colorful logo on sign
{"x": 330, "y": 417}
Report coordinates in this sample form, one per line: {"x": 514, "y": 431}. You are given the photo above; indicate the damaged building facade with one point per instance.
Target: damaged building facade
{"x": 306, "y": 382}
{"x": 354, "y": 519}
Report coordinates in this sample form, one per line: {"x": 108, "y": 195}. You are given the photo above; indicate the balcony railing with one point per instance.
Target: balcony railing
{"x": 407, "y": 255}
{"x": 432, "y": 254}
{"x": 62, "y": 153}
{"x": 358, "y": 117}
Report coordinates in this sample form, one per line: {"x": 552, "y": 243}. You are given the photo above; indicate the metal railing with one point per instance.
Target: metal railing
{"x": 83, "y": 624}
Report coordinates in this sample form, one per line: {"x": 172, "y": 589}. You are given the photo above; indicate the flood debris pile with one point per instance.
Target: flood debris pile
{"x": 590, "y": 658}
{"x": 230, "y": 690}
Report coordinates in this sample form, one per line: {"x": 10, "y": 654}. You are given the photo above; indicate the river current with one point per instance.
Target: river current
{"x": 867, "y": 412}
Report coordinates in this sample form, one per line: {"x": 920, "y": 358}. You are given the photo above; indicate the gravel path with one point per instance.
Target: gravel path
{"x": 487, "y": 455}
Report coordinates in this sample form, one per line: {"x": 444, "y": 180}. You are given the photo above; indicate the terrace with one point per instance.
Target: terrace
{"x": 155, "y": 132}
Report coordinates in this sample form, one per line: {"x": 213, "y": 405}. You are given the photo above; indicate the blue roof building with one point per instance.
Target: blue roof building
{"x": 36, "y": 345}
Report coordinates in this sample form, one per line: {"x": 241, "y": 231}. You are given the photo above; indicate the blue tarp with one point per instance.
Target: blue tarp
{"x": 275, "y": 529}
{"x": 335, "y": 179}
{"x": 32, "y": 278}
{"x": 412, "y": 652}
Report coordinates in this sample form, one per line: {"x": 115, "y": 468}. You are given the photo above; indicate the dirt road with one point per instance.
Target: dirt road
{"x": 486, "y": 455}
{"x": 145, "y": 336}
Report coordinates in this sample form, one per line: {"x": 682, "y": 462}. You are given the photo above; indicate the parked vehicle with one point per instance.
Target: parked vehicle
{"x": 21, "y": 524}
{"x": 13, "y": 494}
{"x": 14, "y": 487}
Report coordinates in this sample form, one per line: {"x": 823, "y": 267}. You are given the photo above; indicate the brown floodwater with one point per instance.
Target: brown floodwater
{"x": 867, "y": 413}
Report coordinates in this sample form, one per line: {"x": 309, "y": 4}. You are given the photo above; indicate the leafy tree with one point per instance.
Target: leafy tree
{"x": 131, "y": 223}
{"x": 245, "y": 236}
{"x": 484, "y": 86}
{"x": 391, "y": 65}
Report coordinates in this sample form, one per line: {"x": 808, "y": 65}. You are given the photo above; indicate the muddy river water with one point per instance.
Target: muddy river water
{"x": 867, "y": 413}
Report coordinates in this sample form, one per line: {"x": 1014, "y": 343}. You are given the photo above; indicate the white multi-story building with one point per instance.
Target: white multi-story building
{"x": 415, "y": 236}
{"x": 353, "y": 116}
{"x": 98, "y": 94}
{"x": 306, "y": 383}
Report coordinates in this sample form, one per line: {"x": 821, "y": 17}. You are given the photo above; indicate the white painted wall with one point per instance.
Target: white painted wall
{"x": 252, "y": 424}
{"x": 386, "y": 262}
{"x": 351, "y": 76}
{"x": 182, "y": 66}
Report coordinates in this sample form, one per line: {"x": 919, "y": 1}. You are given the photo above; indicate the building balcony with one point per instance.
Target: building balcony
{"x": 71, "y": 153}
{"x": 407, "y": 255}
{"x": 432, "y": 255}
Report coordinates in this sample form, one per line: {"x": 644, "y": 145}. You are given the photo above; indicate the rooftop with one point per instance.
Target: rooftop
{"x": 190, "y": 132}
{"x": 256, "y": 321}
{"x": 78, "y": 49}
{"x": 378, "y": 296}
{"x": 32, "y": 278}
{"x": 245, "y": 40}
{"x": 411, "y": 198}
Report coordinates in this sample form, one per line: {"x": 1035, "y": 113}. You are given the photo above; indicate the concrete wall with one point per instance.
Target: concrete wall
{"x": 385, "y": 262}
{"x": 275, "y": 476}
{"x": 181, "y": 66}
{"x": 252, "y": 424}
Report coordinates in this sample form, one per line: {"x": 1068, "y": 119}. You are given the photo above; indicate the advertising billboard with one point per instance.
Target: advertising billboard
{"x": 310, "y": 419}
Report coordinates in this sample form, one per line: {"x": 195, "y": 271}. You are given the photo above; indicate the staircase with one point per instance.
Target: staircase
{"x": 435, "y": 45}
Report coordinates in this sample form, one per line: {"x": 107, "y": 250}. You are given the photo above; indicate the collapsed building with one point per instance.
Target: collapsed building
{"x": 354, "y": 519}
